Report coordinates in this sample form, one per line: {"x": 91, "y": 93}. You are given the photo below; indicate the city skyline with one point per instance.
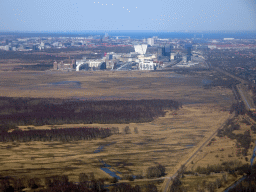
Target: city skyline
{"x": 114, "y": 15}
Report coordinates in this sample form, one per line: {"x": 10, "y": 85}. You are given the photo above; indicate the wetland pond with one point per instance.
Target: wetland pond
{"x": 75, "y": 84}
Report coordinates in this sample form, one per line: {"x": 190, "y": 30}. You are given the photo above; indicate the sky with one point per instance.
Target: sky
{"x": 107, "y": 15}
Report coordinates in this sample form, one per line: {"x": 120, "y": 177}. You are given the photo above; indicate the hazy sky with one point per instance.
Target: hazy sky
{"x": 171, "y": 15}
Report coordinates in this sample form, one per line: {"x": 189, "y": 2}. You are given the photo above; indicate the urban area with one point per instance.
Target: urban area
{"x": 123, "y": 114}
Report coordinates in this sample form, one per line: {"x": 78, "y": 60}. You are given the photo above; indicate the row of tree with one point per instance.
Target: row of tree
{"x": 60, "y": 183}
{"x": 227, "y": 166}
{"x": 243, "y": 140}
{"x": 27, "y": 111}
{"x": 155, "y": 171}
{"x": 238, "y": 108}
{"x": 247, "y": 185}
{"x": 211, "y": 186}
{"x": 67, "y": 134}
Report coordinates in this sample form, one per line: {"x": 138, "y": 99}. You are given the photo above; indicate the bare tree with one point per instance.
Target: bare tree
{"x": 136, "y": 131}
{"x": 127, "y": 130}
{"x": 83, "y": 178}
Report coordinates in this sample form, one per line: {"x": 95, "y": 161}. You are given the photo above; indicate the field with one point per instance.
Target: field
{"x": 166, "y": 140}
{"x": 222, "y": 151}
{"x": 107, "y": 85}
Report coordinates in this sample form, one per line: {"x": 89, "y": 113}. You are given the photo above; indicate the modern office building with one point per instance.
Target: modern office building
{"x": 160, "y": 51}
{"x": 167, "y": 50}
{"x": 189, "y": 55}
{"x": 141, "y": 49}
{"x": 164, "y": 51}
{"x": 150, "y": 41}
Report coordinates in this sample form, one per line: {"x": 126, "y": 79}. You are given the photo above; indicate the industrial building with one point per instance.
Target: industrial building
{"x": 64, "y": 66}
{"x": 175, "y": 56}
{"x": 128, "y": 61}
{"x": 98, "y": 63}
{"x": 148, "y": 65}
{"x": 5, "y": 47}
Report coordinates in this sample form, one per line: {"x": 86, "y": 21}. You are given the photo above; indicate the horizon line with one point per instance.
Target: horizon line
{"x": 155, "y": 31}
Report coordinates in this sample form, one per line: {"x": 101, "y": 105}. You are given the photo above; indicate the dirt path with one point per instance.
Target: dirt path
{"x": 168, "y": 181}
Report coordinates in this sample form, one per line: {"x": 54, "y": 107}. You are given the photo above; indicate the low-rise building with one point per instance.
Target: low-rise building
{"x": 148, "y": 65}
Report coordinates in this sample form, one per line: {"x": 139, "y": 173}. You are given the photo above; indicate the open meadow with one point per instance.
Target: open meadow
{"x": 109, "y": 85}
{"x": 166, "y": 140}
{"x": 225, "y": 159}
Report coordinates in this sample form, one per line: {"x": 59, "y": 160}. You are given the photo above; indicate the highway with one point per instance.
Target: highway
{"x": 167, "y": 183}
{"x": 248, "y": 102}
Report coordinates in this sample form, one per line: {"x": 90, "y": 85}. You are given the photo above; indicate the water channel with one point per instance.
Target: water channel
{"x": 106, "y": 167}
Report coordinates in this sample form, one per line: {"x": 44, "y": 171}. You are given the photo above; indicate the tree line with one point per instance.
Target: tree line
{"x": 65, "y": 135}
{"x": 60, "y": 183}
{"x": 243, "y": 140}
{"x": 238, "y": 108}
{"x": 227, "y": 166}
{"x": 32, "y": 111}
{"x": 247, "y": 185}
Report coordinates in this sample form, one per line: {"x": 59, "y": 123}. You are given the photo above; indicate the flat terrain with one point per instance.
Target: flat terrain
{"x": 100, "y": 85}
{"x": 221, "y": 150}
{"x": 166, "y": 140}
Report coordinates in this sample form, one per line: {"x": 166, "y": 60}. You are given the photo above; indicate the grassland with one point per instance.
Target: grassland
{"x": 107, "y": 85}
{"x": 221, "y": 150}
{"x": 166, "y": 140}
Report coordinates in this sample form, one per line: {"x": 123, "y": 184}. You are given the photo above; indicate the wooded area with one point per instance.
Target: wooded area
{"x": 68, "y": 134}
{"x": 33, "y": 111}
{"x": 59, "y": 183}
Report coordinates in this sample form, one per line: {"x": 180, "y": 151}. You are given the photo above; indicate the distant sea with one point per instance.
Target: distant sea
{"x": 142, "y": 34}
{"x": 189, "y": 35}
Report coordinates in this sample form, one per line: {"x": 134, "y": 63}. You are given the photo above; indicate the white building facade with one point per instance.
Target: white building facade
{"x": 147, "y": 65}
{"x": 150, "y": 41}
{"x": 141, "y": 49}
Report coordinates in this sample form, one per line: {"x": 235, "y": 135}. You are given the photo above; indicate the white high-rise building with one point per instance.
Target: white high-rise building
{"x": 151, "y": 41}
{"x": 141, "y": 49}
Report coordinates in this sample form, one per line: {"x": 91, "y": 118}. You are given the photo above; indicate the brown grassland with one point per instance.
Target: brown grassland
{"x": 100, "y": 85}
{"x": 166, "y": 140}
{"x": 222, "y": 149}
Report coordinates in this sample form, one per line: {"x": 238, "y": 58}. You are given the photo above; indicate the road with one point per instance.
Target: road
{"x": 167, "y": 183}
{"x": 124, "y": 65}
{"x": 231, "y": 75}
{"x": 171, "y": 64}
{"x": 246, "y": 98}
